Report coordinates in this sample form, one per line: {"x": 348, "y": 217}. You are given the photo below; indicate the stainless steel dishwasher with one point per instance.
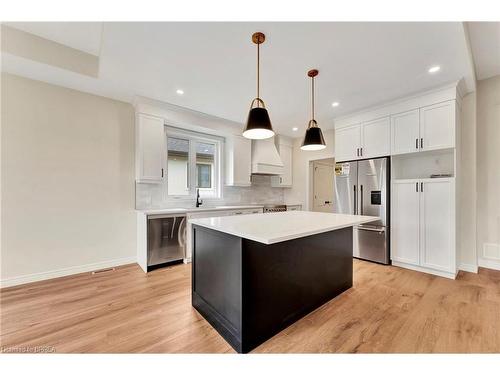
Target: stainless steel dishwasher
{"x": 166, "y": 240}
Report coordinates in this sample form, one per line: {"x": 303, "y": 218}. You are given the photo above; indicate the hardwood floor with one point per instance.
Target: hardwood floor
{"x": 388, "y": 310}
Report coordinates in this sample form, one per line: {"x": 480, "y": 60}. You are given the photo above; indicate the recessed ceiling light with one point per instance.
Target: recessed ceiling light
{"x": 180, "y": 92}
{"x": 434, "y": 69}
{"x": 295, "y": 129}
{"x": 335, "y": 104}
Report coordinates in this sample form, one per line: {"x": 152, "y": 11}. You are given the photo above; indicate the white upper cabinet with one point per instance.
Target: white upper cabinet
{"x": 437, "y": 126}
{"x": 405, "y": 132}
{"x": 375, "y": 138}
{"x": 347, "y": 143}
{"x": 284, "y": 180}
{"x": 367, "y": 140}
{"x": 150, "y": 146}
{"x": 405, "y": 201}
{"x": 437, "y": 224}
{"x": 424, "y": 128}
{"x": 238, "y": 161}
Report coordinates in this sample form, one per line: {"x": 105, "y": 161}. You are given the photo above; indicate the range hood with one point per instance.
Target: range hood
{"x": 265, "y": 158}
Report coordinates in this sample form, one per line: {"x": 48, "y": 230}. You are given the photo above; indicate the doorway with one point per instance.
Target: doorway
{"x": 323, "y": 172}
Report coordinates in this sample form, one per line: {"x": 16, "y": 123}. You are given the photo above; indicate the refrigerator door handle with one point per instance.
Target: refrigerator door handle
{"x": 361, "y": 194}
{"x": 355, "y": 200}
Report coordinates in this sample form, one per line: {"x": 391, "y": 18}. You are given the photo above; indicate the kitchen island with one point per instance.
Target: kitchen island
{"x": 254, "y": 275}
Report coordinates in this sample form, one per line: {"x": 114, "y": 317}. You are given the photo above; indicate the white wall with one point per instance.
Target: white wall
{"x": 67, "y": 181}
{"x": 299, "y": 193}
{"x": 488, "y": 172}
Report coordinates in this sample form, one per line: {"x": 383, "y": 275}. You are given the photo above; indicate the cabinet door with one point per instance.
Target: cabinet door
{"x": 347, "y": 143}
{"x": 375, "y": 137}
{"x": 405, "y": 132}
{"x": 286, "y": 158}
{"x": 242, "y": 160}
{"x": 238, "y": 161}
{"x": 437, "y": 233}
{"x": 437, "y": 126}
{"x": 284, "y": 180}
{"x": 150, "y": 148}
{"x": 405, "y": 222}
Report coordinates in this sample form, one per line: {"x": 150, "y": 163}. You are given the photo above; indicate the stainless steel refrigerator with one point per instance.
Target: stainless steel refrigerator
{"x": 362, "y": 188}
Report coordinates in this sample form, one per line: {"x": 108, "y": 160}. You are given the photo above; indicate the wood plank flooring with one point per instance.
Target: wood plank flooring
{"x": 389, "y": 310}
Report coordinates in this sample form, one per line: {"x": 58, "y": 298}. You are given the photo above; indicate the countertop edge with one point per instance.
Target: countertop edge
{"x": 284, "y": 237}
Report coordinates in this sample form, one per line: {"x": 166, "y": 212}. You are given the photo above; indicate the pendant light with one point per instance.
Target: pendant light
{"x": 258, "y": 122}
{"x": 313, "y": 139}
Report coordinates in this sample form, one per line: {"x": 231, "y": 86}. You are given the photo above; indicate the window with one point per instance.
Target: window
{"x": 192, "y": 157}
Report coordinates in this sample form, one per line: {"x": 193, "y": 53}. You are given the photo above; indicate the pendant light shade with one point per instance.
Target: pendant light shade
{"x": 258, "y": 123}
{"x": 313, "y": 139}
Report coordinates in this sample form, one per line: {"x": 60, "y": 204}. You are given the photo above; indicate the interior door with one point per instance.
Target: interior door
{"x": 372, "y": 189}
{"x": 405, "y": 222}
{"x": 346, "y": 179}
{"x": 437, "y": 234}
{"x": 323, "y": 186}
{"x": 347, "y": 143}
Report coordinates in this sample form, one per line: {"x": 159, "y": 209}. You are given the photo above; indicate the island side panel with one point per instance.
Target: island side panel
{"x": 216, "y": 281}
{"x": 285, "y": 281}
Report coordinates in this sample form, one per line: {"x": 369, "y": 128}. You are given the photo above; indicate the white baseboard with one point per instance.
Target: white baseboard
{"x": 24, "y": 279}
{"x": 468, "y": 267}
{"x": 489, "y": 263}
{"x": 448, "y": 275}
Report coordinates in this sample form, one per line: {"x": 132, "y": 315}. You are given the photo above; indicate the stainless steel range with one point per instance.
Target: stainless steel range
{"x": 274, "y": 208}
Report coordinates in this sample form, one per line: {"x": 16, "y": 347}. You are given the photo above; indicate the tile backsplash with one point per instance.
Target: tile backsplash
{"x": 152, "y": 195}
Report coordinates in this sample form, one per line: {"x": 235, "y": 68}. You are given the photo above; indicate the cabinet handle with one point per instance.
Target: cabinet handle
{"x": 416, "y": 187}
{"x": 357, "y": 152}
{"x": 281, "y": 180}
{"x": 421, "y": 187}
{"x": 162, "y": 173}
{"x": 238, "y": 213}
{"x": 361, "y": 151}
{"x": 421, "y": 143}
{"x": 416, "y": 143}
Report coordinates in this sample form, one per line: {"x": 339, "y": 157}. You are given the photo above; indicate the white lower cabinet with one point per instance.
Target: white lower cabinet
{"x": 423, "y": 225}
{"x": 405, "y": 222}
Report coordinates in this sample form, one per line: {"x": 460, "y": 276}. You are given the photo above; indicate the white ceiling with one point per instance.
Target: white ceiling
{"x": 84, "y": 36}
{"x": 485, "y": 44}
{"x": 360, "y": 64}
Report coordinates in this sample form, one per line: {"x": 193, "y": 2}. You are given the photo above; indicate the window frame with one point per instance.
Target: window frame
{"x": 217, "y": 179}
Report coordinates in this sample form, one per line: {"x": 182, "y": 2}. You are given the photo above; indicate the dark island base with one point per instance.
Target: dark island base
{"x": 249, "y": 291}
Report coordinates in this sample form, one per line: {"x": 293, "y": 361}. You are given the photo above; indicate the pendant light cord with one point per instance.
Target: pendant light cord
{"x": 258, "y": 74}
{"x": 312, "y": 96}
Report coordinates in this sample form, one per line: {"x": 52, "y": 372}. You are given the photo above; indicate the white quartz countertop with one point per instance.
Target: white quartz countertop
{"x": 163, "y": 211}
{"x": 276, "y": 227}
